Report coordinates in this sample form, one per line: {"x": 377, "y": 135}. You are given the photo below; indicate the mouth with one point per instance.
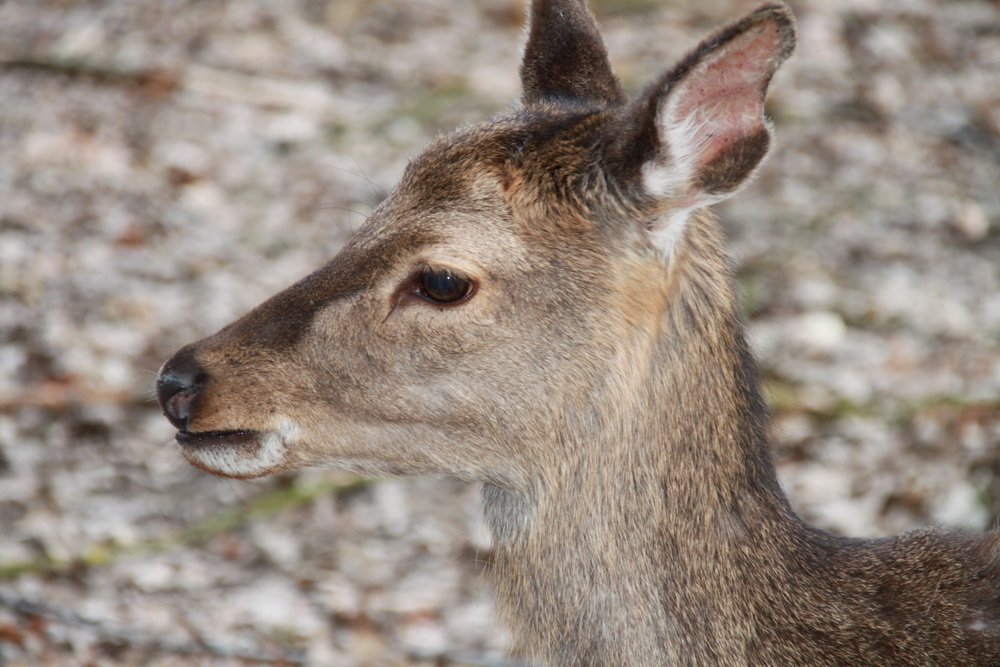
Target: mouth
{"x": 195, "y": 439}
{"x": 234, "y": 454}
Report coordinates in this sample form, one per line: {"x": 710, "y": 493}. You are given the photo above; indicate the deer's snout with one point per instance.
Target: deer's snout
{"x": 178, "y": 387}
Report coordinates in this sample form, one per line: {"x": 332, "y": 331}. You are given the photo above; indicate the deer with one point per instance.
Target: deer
{"x": 545, "y": 305}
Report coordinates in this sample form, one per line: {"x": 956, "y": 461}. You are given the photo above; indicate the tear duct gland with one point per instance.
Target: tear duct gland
{"x": 543, "y": 305}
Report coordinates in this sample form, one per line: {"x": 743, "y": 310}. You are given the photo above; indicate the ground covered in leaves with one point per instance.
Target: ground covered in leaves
{"x": 167, "y": 164}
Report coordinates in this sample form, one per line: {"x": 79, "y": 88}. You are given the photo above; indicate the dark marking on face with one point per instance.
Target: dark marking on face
{"x": 280, "y": 322}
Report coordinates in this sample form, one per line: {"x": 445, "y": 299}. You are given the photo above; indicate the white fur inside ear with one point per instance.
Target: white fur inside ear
{"x": 684, "y": 138}
{"x": 688, "y": 136}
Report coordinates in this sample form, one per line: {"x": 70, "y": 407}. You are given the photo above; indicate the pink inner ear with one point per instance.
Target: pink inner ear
{"x": 722, "y": 99}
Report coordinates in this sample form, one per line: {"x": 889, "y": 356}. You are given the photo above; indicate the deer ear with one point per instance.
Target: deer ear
{"x": 565, "y": 57}
{"x": 700, "y": 131}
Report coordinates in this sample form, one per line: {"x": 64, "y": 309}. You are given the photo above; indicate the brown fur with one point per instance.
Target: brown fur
{"x": 598, "y": 381}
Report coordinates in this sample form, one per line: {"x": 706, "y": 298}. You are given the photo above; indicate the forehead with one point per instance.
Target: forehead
{"x": 454, "y": 169}
{"x": 454, "y": 183}
{"x": 483, "y": 190}
{"x": 536, "y": 142}
{"x": 468, "y": 222}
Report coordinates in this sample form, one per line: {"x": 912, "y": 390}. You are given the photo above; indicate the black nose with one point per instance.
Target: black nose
{"x": 178, "y": 387}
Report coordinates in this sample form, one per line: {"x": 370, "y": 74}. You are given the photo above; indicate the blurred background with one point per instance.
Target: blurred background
{"x": 167, "y": 164}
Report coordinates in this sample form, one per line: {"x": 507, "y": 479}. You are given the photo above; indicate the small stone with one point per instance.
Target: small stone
{"x": 823, "y": 330}
{"x": 971, "y": 221}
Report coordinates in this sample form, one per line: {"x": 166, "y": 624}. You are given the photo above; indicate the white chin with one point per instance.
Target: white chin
{"x": 237, "y": 454}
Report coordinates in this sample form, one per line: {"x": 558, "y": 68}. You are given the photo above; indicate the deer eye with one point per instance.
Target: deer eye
{"x": 443, "y": 286}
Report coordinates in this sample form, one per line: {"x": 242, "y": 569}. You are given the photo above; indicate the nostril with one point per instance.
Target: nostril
{"x": 178, "y": 386}
{"x": 176, "y": 397}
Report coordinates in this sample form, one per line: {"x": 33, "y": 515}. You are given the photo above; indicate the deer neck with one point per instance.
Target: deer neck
{"x": 642, "y": 541}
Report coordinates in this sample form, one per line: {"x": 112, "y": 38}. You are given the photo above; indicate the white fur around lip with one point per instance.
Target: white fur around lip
{"x": 267, "y": 453}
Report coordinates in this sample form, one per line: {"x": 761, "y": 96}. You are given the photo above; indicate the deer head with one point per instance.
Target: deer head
{"x": 515, "y": 287}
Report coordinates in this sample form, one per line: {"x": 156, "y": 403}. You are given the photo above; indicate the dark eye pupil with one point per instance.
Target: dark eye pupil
{"x": 442, "y": 286}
